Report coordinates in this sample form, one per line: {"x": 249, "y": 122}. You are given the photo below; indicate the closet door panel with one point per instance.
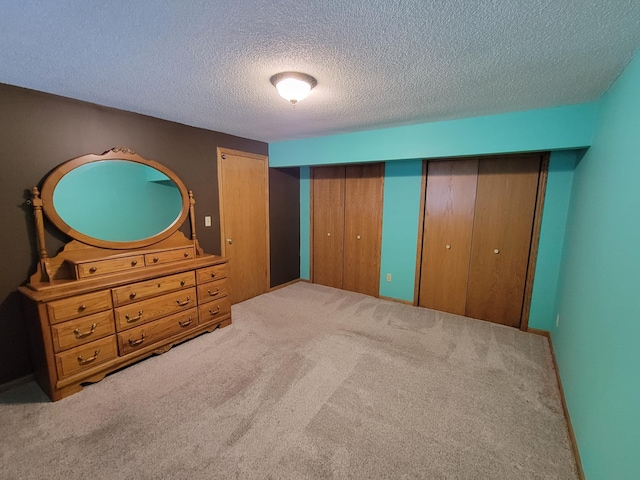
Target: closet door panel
{"x": 363, "y": 228}
{"x": 328, "y": 225}
{"x": 448, "y": 226}
{"x": 503, "y": 224}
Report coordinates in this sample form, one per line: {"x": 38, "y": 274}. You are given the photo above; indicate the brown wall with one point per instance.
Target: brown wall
{"x": 38, "y": 131}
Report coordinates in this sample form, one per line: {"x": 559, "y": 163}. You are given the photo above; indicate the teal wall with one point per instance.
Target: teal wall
{"x": 597, "y": 343}
{"x": 400, "y": 216}
{"x": 552, "y": 232}
{"x": 558, "y": 128}
{"x": 588, "y": 267}
{"x": 305, "y": 208}
{"x": 565, "y": 127}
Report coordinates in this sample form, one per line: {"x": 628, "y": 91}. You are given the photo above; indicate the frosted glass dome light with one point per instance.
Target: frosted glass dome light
{"x": 293, "y": 86}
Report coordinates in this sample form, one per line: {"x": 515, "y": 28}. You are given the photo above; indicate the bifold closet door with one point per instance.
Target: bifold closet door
{"x": 363, "y": 228}
{"x": 328, "y": 225}
{"x": 448, "y": 226}
{"x": 502, "y": 230}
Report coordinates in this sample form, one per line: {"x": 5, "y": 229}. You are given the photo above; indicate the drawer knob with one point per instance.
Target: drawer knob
{"x": 83, "y": 361}
{"x": 358, "y": 237}
{"x": 213, "y": 294}
{"x": 186, "y": 254}
{"x": 182, "y": 282}
{"x": 133, "y": 319}
{"x": 496, "y": 251}
{"x": 215, "y": 312}
{"x": 82, "y": 307}
{"x": 447, "y": 246}
{"x": 93, "y": 269}
{"x": 187, "y": 323}
{"x": 133, "y": 343}
{"x": 132, "y": 295}
{"x": 78, "y": 334}
{"x": 155, "y": 259}
{"x": 186, "y": 302}
{"x": 134, "y": 263}
{"x": 328, "y": 234}
{"x": 213, "y": 275}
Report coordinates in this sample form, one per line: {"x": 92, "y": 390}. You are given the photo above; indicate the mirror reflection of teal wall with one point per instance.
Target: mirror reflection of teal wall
{"x": 117, "y": 200}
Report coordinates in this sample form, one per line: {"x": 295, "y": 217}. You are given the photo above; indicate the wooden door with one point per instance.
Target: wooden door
{"x": 328, "y": 225}
{"x": 363, "y": 228}
{"x": 244, "y": 221}
{"x": 446, "y": 242}
{"x": 502, "y": 230}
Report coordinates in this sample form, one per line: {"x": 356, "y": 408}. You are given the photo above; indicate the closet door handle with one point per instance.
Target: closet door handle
{"x": 496, "y": 251}
{"x": 358, "y": 237}
{"x": 447, "y": 246}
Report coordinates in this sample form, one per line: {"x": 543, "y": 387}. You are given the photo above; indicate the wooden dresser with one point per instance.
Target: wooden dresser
{"x": 92, "y": 310}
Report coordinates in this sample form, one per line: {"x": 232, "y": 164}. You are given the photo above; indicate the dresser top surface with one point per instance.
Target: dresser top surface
{"x": 46, "y": 291}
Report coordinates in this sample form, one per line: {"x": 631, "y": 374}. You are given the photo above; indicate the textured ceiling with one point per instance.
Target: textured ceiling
{"x": 378, "y": 62}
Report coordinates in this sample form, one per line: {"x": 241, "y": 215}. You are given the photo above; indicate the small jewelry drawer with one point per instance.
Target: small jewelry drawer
{"x": 78, "y": 306}
{"x": 92, "y": 269}
{"x": 84, "y": 357}
{"x": 210, "y": 274}
{"x": 145, "y": 311}
{"x": 154, "y": 332}
{"x": 211, "y": 291}
{"x": 167, "y": 256}
{"x": 151, "y": 288}
{"x": 213, "y": 311}
{"x": 82, "y": 330}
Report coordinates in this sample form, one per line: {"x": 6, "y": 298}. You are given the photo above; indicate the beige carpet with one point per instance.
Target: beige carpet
{"x": 309, "y": 382}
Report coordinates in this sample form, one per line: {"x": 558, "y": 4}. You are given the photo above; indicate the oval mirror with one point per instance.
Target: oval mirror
{"x": 116, "y": 200}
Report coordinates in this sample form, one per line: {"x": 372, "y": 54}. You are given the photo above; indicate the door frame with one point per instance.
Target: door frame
{"x": 220, "y": 151}
{"x": 535, "y": 241}
{"x": 535, "y": 233}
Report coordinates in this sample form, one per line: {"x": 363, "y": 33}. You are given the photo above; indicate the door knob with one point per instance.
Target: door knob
{"x": 496, "y": 251}
{"x": 447, "y": 246}
{"x": 229, "y": 241}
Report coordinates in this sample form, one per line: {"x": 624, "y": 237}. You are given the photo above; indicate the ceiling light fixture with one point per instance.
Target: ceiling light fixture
{"x": 293, "y": 86}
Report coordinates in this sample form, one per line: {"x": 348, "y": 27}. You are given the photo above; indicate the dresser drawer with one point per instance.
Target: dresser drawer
{"x": 82, "y": 330}
{"x": 78, "y": 306}
{"x": 212, "y": 311}
{"x": 169, "y": 256}
{"x": 147, "y": 310}
{"x": 84, "y": 357}
{"x": 151, "y": 288}
{"x": 211, "y": 291}
{"x": 92, "y": 269}
{"x": 139, "y": 337}
{"x": 210, "y": 274}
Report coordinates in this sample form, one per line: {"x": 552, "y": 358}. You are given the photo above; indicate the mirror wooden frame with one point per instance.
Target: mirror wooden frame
{"x": 117, "y": 153}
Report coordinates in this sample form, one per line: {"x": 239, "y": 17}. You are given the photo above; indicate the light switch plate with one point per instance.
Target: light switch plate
{"x": 207, "y": 221}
